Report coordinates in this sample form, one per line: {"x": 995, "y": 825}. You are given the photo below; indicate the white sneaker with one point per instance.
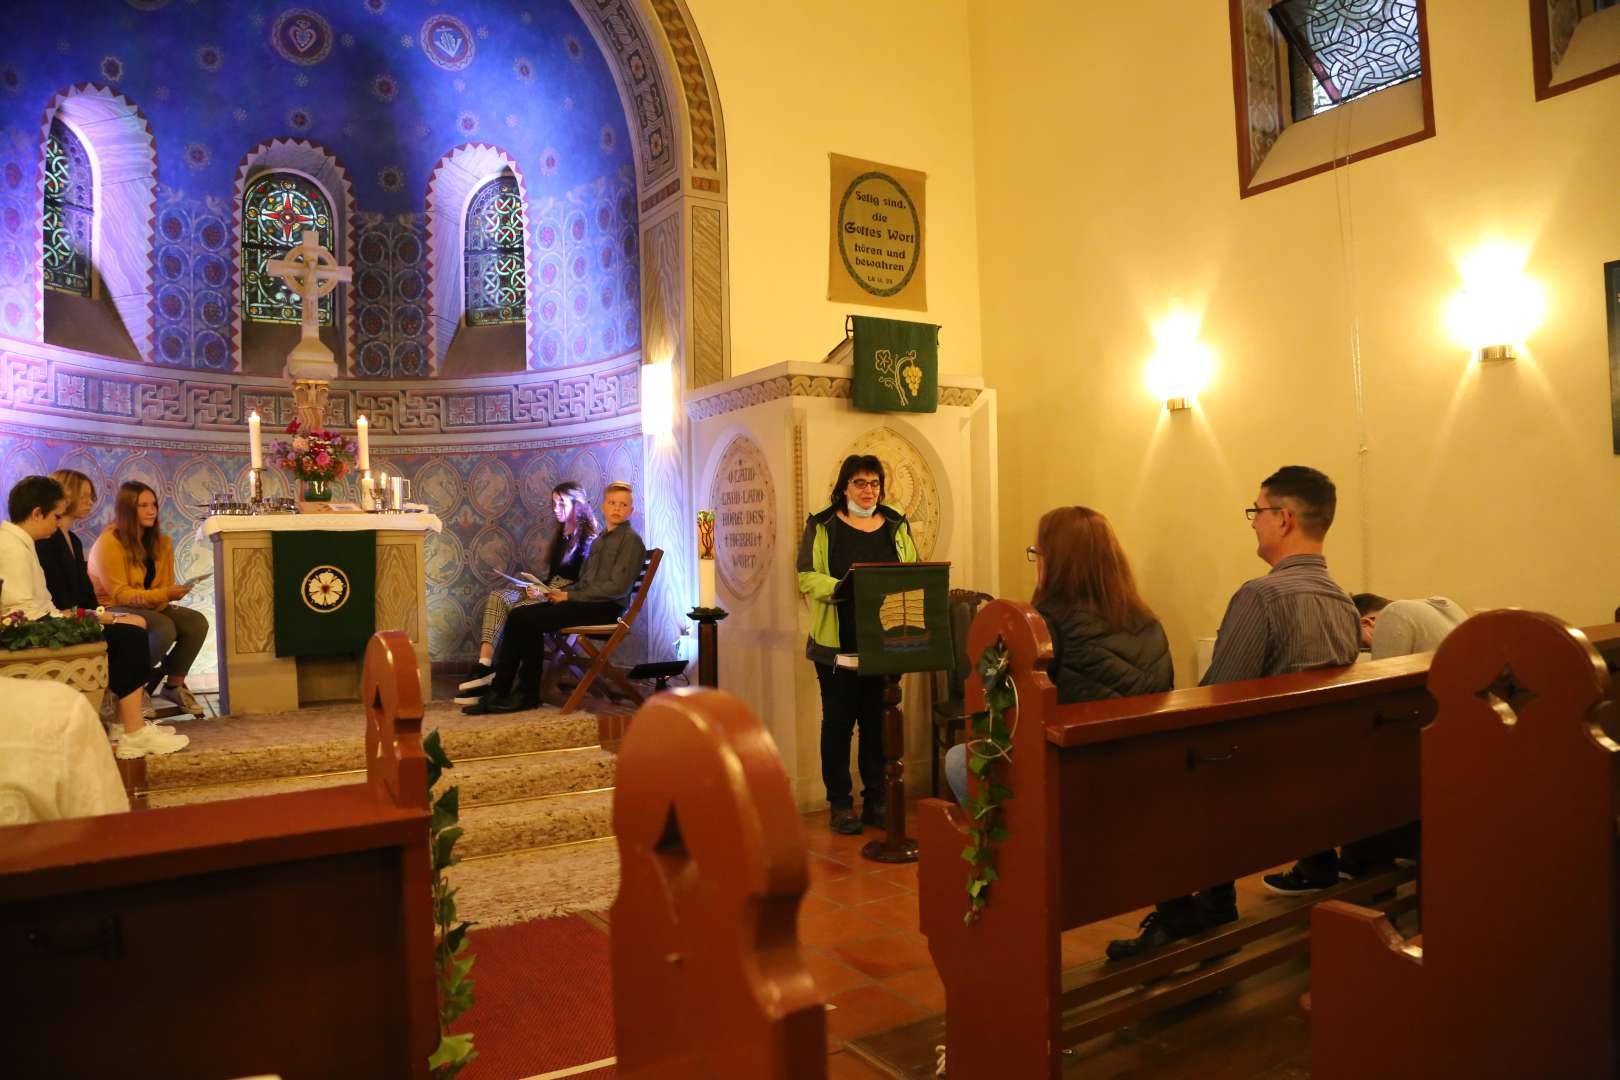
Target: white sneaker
{"x": 116, "y": 731}
{"x": 149, "y": 740}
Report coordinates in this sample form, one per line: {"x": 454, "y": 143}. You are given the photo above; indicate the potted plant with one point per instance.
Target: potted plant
{"x": 317, "y": 457}
{"x": 67, "y": 649}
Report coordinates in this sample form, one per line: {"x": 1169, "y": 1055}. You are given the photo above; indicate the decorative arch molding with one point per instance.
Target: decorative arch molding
{"x": 456, "y": 178}
{"x": 123, "y": 155}
{"x": 322, "y": 168}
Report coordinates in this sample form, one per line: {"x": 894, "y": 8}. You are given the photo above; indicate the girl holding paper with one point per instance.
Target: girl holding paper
{"x": 565, "y": 555}
{"x": 132, "y": 566}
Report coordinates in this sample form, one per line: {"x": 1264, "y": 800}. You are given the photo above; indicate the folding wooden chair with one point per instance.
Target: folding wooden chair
{"x": 585, "y": 651}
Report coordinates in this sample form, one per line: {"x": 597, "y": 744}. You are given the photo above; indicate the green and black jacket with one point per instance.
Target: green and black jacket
{"x": 817, "y": 585}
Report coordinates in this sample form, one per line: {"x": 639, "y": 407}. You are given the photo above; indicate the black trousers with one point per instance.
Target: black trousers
{"x": 1191, "y": 914}
{"x": 128, "y": 658}
{"x": 520, "y": 657}
{"x": 850, "y": 702}
{"x": 1373, "y": 851}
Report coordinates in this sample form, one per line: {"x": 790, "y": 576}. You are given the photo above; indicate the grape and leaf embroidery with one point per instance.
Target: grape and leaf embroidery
{"x": 898, "y": 374}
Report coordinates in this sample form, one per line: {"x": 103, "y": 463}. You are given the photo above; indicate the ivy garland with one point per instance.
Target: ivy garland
{"x": 991, "y": 741}
{"x": 451, "y": 961}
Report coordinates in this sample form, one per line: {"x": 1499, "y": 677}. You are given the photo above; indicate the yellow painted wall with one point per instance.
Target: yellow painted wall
{"x": 883, "y": 81}
{"x": 1107, "y": 193}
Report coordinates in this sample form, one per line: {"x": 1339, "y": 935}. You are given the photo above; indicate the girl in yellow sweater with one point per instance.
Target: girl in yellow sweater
{"x": 132, "y": 567}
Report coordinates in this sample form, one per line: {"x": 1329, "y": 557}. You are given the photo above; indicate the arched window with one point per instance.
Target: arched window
{"x": 497, "y": 285}
{"x": 69, "y": 211}
{"x": 276, "y": 209}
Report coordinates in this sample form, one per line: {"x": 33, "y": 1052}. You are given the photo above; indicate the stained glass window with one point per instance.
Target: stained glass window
{"x": 1348, "y": 47}
{"x": 69, "y": 211}
{"x": 496, "y": 282}
{"x": 276, "y": 210}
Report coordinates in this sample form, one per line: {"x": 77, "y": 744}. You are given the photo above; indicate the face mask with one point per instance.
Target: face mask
{"x": 857, "y": 510}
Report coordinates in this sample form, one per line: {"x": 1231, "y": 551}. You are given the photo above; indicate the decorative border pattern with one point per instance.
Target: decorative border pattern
{"x": 111, "y": 392}
{"x": 699, "y": 110}
{"x": 708, "y": 340}
{"x": 812, "y": 386}
{"x": 620, "y": 32}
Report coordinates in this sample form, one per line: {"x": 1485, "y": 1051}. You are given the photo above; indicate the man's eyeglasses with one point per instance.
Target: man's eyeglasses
{"x": 1032, "y": 553}
{"x": 1252, "y": 512}
{"x": 867, "y": 485}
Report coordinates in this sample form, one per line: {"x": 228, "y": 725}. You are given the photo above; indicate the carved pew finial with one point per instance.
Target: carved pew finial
{"x": 392, "y": 693}
{"x": 707, "y": 976}
{"x": 1516, "y": 975}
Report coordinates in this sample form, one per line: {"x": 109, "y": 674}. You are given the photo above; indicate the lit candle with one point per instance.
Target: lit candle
{"x": 364, "y": 464}
{"x": 255, "y": 451}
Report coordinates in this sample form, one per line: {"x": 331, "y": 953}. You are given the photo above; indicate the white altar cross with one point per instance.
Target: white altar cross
{"x": 311, "y": 272}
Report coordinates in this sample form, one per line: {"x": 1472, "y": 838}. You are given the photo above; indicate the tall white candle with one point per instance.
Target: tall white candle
{"x": 364, "y": 464}
{"x": 255, "y": 451}
{"x": 706, "y": 583}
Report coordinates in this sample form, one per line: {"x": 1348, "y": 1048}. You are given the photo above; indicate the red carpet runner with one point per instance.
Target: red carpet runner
{"x": 544, "y": 1000}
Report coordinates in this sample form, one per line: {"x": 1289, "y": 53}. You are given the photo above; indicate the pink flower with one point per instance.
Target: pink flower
{"x": 323, "y": 459}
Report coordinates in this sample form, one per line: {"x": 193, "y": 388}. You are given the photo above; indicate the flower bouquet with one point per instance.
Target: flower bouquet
{"x": 76, "y": 627}
{"x": 317, "y": 457}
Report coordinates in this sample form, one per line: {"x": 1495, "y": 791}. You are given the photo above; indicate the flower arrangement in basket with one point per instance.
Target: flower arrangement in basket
{"x": 317, "y": 457}
{"x": 77, "y": 627}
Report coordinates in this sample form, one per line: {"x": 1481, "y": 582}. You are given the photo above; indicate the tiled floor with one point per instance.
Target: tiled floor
{"x": 858, "y": 932}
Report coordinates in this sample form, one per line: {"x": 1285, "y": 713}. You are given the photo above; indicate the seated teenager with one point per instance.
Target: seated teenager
{"x": 565, "y": 559}
{"x": 35, "y": 507}
{"x": 53, "y": 756}
{"x": 601, "y": 595}
{"x": 1106, "y": 642}
{"x": 132, "y": 566}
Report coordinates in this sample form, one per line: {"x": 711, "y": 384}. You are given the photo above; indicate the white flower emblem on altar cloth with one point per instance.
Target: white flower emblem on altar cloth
{"x": 325, "y": 589}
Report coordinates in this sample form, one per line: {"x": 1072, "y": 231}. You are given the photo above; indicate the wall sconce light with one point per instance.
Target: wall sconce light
{"x": 657, "y": 398}
{"x": 1181, "y": 364}
{"x": 1499, "y": 305}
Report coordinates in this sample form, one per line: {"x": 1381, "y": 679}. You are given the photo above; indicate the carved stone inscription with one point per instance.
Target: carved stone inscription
{"x": 744, "y": 504}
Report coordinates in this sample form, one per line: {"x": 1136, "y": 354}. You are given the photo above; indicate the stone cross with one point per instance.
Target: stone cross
{"x": 311, "y": 272}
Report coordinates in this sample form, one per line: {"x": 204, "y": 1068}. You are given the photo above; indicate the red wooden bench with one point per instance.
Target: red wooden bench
{"x": 286, "y": 934}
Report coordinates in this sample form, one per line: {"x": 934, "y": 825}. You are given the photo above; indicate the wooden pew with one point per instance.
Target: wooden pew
{"x": 1122, "y": 803}
{"x": 708, "y": 980}
{"x": 289, "y": 934}
{"x": 1515, "y": 974}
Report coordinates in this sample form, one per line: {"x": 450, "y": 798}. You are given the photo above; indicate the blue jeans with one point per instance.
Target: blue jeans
{"x": 956, "y": 773}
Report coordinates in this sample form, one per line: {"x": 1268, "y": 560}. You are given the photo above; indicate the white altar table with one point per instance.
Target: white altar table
{"x": 252, "y": 678}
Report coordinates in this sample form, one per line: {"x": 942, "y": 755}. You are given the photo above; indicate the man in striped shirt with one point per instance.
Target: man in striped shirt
{"x": 1295, "y": 618}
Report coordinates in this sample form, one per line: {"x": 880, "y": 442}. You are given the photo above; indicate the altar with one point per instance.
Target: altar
{"x": 260, "y": 673}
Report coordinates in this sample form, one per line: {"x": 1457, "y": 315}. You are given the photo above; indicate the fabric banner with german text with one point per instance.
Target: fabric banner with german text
{"x": 896, "y": 365}
{"x": 325, "y": 591}
{"x": 878, "y": 225}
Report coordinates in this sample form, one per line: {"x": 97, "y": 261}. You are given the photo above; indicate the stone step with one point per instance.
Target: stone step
{"x": 511, "y": 887}
{"x": 542, "y": 821}
{"x": 481, "y": 780}
{"x": 318, "y": 742}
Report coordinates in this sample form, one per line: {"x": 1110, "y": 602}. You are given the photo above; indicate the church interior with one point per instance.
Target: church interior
{"x": 591, "y": 246}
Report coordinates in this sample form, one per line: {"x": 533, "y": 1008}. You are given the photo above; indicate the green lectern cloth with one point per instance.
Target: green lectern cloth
{"x": 325, "y": 591}
{"x": 902, "y": 620}
{"x": 896, "y": 365}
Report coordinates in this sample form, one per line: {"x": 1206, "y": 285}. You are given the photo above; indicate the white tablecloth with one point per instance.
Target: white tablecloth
{"x": 335, "y": 521}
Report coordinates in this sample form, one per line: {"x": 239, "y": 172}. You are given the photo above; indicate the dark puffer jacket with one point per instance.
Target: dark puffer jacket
{"x": 1091, "y": 661}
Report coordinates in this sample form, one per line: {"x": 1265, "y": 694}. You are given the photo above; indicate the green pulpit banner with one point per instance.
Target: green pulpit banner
{"x": 325, "y": 591}
{"x": 902, "y": 616}
{"x": 896, "y": 365}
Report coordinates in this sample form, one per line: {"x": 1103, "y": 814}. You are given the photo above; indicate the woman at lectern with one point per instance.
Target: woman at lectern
{"x": 855, "y": 528}
{"x": 132, "y": 565}
{"x": 1106, "y": 642}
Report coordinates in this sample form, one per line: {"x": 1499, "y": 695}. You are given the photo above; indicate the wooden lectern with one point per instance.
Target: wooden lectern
{"x": 902, "y": 624}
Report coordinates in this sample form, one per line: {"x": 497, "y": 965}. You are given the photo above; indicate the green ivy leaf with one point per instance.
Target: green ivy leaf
{"x": 991, "y": 875}
{"x": 978, "y": 765}
{"x": 1000, "y": 793}
{"x": 442, "y": 845}
{"x": 454, "y": 1050}
{"x": 998, "y": 834}
{"x": 975, "y": 887}
{"x": 446, "y": 809}
{"x": 970, "y": 854}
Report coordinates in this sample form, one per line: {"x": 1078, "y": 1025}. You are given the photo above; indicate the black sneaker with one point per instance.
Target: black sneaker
{"x": 875, "y": 815}
{"x": 473, "y": 687}
{"x": 845, "y": 822}
{"x": 1297, "y": 882}
{"x": 1155, "y": 935}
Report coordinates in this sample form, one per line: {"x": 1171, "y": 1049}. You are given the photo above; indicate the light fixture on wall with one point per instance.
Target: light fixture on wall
{"x": 1181, "y": 364}
{"x": 657, "y": 398}
{"x": 1499, "y": 305}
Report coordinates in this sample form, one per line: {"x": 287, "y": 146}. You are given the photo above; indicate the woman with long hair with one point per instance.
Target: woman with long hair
{"x": 854, "y": 528}
{"x": 565, "y": 556}
{"x": 1106, "y": 641}
{"x": 132, "y": 566}
{"x": 42, "y": 509}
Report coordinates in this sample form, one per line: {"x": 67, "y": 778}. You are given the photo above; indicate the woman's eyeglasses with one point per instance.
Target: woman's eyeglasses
{"x": 867, "y": 485}
{"x": 1032, "y": 553}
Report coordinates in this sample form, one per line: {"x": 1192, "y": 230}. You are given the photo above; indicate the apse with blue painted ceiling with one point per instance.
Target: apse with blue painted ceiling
{"x": 383, "y": 107}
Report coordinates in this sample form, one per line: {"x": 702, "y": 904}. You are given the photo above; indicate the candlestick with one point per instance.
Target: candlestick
{"x": 364, "y": 464}
{"x": 255, "y": 487}
{"x": 255, "y": 451}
